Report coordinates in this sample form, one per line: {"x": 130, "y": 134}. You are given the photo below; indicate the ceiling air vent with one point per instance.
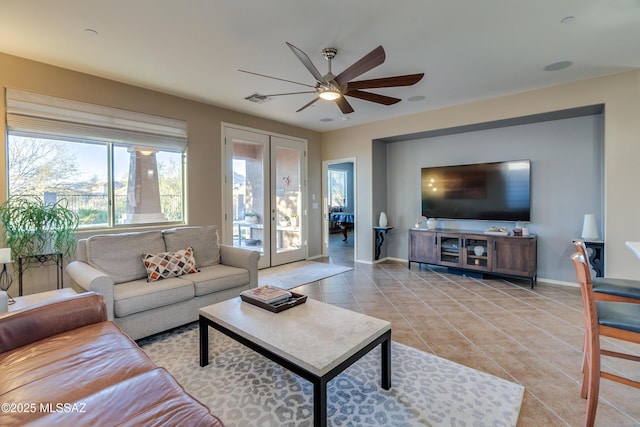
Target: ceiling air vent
{"x": 257, "y": 98}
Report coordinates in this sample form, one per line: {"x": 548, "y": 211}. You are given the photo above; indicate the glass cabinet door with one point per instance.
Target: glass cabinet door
{"x": 450, "y": 250}
{"x": 477, "y": 254}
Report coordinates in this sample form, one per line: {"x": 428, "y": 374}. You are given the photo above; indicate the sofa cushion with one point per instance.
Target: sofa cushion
{"x": 140, "y": 295}
{"x": 151, "y": 398}
{"x": 203, "y": 240}
{"x": 217, "y": 278}
{"x": 118, "y": 255}
{"x": 169, "y": 264}
{"x": 67, "y": 367}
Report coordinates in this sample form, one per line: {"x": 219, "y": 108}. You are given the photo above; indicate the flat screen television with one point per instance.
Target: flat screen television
{"x": 499, "y": 191}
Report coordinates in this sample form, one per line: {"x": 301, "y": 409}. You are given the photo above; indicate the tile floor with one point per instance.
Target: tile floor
{"x": 532, "y": 337}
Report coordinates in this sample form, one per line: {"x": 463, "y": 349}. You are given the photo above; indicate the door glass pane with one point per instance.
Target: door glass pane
{"x": 288, "y": 199}
{"x": 248, "y": 195}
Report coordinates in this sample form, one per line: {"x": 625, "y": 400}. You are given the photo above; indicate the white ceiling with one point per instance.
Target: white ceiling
{"x": 469, "y": 49}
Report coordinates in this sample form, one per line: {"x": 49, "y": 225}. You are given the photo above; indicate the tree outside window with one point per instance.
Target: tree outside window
{"x": 79, "y": 172}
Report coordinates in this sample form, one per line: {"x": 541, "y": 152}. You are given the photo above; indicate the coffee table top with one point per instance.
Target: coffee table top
{"x": 314, "y": 335}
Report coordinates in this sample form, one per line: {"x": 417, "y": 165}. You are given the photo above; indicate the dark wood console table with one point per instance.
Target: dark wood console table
{"x": 475, "y": 252}
{"x": 380, "y": 232}
{"x": 595, "y": 249}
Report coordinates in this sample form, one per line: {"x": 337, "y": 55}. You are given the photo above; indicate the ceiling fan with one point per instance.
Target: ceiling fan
{"x": 334, "y": 88}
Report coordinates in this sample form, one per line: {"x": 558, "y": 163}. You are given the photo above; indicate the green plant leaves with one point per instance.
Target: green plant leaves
{"x": 35, "y": 228}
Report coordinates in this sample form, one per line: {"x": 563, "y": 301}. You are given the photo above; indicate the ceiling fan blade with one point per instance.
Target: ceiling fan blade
{"x": 306, "y": 62}
{"x": 373, "y": 97}
{"x": 291, "y": 93}
{"x": 395, "y": 81}
{"x": 366, "y": 63}
{"x": 307, "y": 104}
{"x": 275, "y": 78}
{"x": 344, "y": 105}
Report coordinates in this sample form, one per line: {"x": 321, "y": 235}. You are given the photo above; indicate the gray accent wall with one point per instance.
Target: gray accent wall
{"x": 566, "y": 182}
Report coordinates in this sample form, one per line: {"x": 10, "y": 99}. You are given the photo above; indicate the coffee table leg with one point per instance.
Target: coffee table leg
{"x": 320, "y": 403}
{"x": 204, "y": 342}
{"x": 386, "y": 364}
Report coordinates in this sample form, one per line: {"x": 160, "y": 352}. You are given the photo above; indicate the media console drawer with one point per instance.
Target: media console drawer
{"x": 513, "y": 256}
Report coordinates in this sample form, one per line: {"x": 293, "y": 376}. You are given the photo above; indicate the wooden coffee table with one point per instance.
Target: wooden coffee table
{"x": 314, "y": 340}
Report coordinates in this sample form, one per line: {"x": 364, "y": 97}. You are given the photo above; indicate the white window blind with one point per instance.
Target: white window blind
{"x": 30, "y": 113}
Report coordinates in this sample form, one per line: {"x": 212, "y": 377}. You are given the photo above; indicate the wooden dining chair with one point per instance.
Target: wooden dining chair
{"x": 620, "y": 320}
{"x": 610, "y": 289}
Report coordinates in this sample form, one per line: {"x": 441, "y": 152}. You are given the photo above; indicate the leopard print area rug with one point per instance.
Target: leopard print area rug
{"x": 245, "y": 389}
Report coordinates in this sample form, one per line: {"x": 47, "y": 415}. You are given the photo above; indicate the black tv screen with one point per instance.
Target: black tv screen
{"x": 497, "y": 191}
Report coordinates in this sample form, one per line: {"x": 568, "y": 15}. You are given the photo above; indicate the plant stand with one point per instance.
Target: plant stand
{"x": 42, "y": 260}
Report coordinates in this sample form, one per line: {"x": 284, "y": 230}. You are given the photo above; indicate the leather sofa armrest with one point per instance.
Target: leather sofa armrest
{"x": 50, "y": 318}
{"x": 241, "y": 258}
{"x": 89, "y": 278}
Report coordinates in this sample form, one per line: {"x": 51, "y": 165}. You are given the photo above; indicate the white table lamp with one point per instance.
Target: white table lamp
{"x": 589, "y": 227}
{"x": 5, "y": 277}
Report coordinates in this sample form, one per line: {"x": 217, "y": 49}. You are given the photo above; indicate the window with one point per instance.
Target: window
{"x": 110, "y": 173}
{"x": 338, "y": 187}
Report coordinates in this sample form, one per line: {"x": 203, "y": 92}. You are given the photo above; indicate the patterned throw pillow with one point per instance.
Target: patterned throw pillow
{"x": 169, "y": 264}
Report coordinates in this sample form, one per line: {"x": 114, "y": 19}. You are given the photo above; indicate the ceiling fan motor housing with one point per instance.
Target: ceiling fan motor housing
{"x": 329, "y": 53}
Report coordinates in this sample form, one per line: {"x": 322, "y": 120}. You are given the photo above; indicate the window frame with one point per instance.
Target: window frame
{"x": 345, "y": 186}
{"x": 46, "y": 117}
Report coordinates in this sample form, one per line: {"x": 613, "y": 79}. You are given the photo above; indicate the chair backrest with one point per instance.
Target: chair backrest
{"x": 582, "y": 267}
{"x": 582, "y": 248}
{"x": 583, "y": 275}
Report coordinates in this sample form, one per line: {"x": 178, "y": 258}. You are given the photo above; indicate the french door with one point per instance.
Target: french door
{"x": 265, "y": 195}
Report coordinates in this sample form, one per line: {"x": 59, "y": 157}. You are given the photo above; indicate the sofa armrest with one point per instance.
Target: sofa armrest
{"x": 91, "y": 279}
{"x": 241, "y": 258}
{"x": 50, "y": 318}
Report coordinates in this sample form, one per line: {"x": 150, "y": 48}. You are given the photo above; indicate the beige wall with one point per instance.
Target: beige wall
{"x": 204, "y": 164}
{"x": 619, "y": 93}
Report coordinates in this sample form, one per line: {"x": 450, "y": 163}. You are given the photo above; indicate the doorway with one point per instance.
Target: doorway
{"x": 265, "y": 195}
{"x": 339, "y": 210}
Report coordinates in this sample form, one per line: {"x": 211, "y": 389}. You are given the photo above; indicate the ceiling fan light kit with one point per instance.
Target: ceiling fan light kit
{"x": 329, "y": 92}
{"x": 335, "y": 88}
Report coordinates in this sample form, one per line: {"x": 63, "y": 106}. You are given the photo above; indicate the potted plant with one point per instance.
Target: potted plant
{"x": 33, "y": 227}
{"x": 294, "y": 219}
{"x": 251, "y": 217}
{"x": 284, "y": 222}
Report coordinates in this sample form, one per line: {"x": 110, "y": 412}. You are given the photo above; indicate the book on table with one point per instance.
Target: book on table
{"x": 267, "y": 294}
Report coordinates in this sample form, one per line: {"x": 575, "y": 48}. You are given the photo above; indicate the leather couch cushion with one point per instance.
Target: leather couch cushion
{"x": 140, "y": 295}
{"x": 151, "y": 398}
{"x": 203, "y": 240}
{"x": 68, "y": 367}
{"x": 217, "y": 278}
{"x": 119, "y": 255}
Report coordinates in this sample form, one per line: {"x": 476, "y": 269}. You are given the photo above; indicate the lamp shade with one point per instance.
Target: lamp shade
{"x": 5, "y": 255}
{"x": 589, "y": 227}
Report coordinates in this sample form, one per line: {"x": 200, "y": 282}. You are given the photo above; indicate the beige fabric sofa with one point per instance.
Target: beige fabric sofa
{"x": 111, "y": 264}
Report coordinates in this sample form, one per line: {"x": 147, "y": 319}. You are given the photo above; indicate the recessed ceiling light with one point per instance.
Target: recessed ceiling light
{"x": 326, "y": 119}
{"x": 568, "y": 20}
{"x": 560, "y": 65}
{"x": 90, "y": 32}
{"x": 416, "y": 98}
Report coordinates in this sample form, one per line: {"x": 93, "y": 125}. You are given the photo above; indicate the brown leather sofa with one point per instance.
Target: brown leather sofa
{"x": 63, "y": 363}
